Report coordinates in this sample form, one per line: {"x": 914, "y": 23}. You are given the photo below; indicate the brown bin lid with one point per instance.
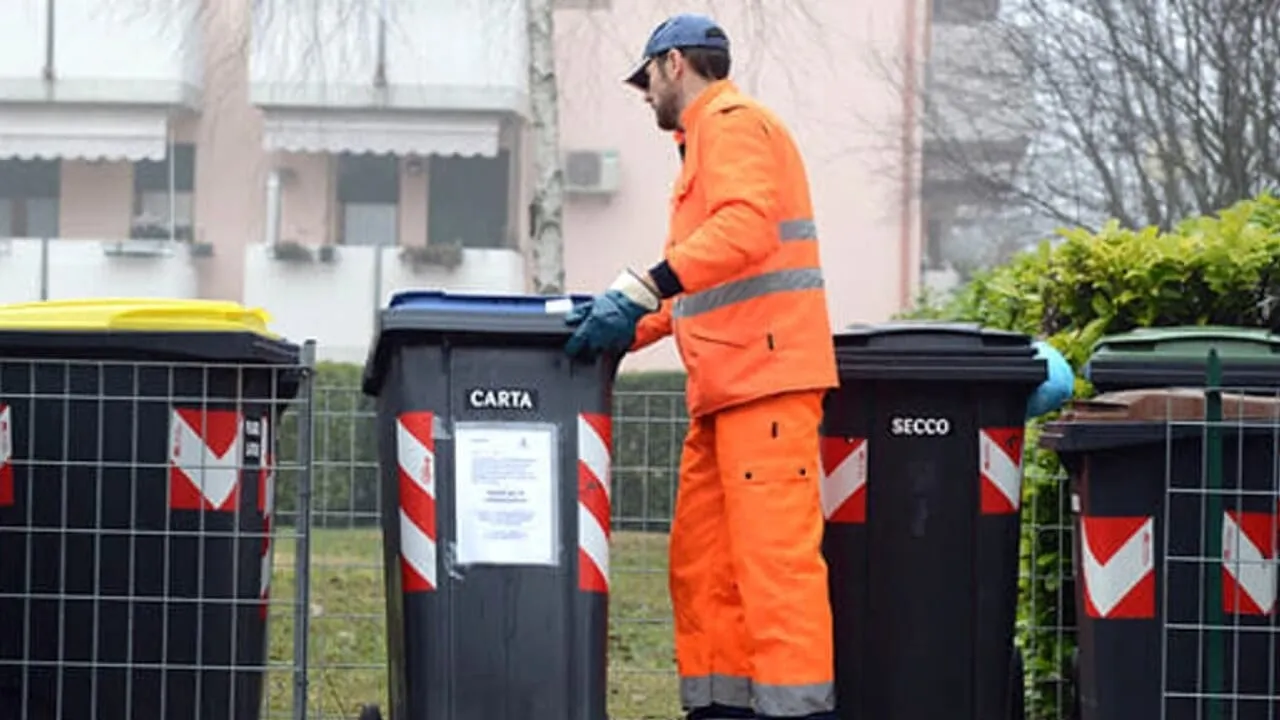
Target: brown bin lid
{"x": 1168, "y": 404}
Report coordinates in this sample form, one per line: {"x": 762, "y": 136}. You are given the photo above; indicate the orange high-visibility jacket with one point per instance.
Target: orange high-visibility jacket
{"x": 752, "y": 319}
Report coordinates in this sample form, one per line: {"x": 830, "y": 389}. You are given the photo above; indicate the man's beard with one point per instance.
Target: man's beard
{"x": 667, "y": 116}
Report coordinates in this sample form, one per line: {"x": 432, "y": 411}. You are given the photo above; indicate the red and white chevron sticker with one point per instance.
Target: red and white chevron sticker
{"x": 266, "y": 506}
{"x": 205, "y": 459}
{"x": 416, "y": 457}
{"x": 1118, "y": 563}
{"x": 595, "y": 440}
{"x": 844, "y": 480}
{"x": 1000, "y": 470}
{"x": 1248, "y": 563}
{"x": 6, "y": 456}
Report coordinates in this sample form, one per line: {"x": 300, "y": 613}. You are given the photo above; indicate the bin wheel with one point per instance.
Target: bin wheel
{"x": 370, "y": 712}
{"x": 1017, "y": 688}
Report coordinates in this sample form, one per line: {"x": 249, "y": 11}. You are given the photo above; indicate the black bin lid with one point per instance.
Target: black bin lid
{"x": 426, "y": 317}
{"x": 941, "y": 351}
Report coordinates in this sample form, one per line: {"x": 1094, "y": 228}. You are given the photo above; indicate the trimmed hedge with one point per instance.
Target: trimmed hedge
{"x": 1222, "y": 270}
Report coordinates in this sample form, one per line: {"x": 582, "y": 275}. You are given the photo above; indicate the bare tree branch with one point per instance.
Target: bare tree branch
{"x": 1145, "y": 111}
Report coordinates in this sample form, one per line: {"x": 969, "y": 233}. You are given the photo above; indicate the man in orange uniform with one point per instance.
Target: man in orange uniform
{"x": 741, "y": 289}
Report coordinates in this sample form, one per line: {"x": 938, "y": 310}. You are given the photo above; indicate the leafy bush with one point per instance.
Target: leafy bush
{"x": 1222, "y": 270}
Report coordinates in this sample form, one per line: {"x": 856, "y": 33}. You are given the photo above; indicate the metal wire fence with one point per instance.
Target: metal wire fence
{"x": 347, "y": 661}
{"x": 125, "y": 593}
{"x": 136, "y": 538}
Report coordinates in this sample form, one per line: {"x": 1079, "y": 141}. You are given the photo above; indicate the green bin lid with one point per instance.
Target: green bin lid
{"x": 1190, "y": 342}
{"x": 1178, "y": 357}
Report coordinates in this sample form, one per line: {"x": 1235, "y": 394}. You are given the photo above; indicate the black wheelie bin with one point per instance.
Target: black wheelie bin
{"x": 922, "y": 459}
{"x": 1174, "y": 553}
{"x": 1174, "y": 515}
{"x": 132, "y": 524}
{"x": 495, "y": 449}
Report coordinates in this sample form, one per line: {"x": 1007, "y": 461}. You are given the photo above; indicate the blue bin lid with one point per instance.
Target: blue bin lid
{"x": 442, "y": 301}
{"x": 497, "y": 320}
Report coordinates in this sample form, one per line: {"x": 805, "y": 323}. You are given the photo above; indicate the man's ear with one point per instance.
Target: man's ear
{"x": 670, "y": 62}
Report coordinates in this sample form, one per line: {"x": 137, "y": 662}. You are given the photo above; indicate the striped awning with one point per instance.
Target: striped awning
{"x": 395, "y": 133}
{"x": 52, "y": 132}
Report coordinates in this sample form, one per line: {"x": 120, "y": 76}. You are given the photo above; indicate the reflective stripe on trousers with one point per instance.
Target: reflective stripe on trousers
{"x": 772, "y": 700}
{"x": 696, "y": 692}
{"x": 750, "y": 288}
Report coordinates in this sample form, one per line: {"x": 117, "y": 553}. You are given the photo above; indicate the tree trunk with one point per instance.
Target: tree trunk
{"x": 547, "y": 208}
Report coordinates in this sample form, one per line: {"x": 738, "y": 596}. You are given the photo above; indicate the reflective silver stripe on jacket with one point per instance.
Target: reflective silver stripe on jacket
{"x": 746, "y": 289}
{"x": 804, "y": 229}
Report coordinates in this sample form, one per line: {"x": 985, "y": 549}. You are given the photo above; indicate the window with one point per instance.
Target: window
{"x": 468, "y": 200}
{"x": 934, "y": 239}
{"x": 164, "y": 194}
{"x": 959, "y": 12}
{"x": 29, "y": 191}
{"x": 369, "y": 199}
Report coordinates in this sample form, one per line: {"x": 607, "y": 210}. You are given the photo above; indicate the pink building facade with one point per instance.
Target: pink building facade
{"x": 205, "y": 151}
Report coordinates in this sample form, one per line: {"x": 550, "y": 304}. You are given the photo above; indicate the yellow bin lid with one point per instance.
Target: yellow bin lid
{"x": 135, "y": 315}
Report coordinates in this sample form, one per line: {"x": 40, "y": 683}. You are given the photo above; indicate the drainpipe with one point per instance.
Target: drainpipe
{"x": 173, "y": 200}
{"x": 273, "y": 209}
{"x": 49, "y": 19}
{"x": 380, "y": 70}
{"x": 910, "y": 168}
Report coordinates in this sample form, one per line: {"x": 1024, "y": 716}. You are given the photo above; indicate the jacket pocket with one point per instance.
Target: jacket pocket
{"x": 721, "y": 363}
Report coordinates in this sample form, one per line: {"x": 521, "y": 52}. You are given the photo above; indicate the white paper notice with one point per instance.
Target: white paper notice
{"x": 505, "y": 493}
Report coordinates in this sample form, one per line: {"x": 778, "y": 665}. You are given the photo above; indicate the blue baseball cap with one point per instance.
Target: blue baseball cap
{"x": 678, "y": 31}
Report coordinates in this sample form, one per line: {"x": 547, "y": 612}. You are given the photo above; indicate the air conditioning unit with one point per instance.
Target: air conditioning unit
{"x": 591, "y": 172}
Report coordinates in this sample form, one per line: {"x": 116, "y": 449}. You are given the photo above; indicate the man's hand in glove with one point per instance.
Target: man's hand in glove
{"x": 607, "y": 323}
{"x": 1057, "y": 389}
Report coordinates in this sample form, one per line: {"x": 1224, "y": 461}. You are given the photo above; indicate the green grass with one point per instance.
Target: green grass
{"x": 347, "y": 653}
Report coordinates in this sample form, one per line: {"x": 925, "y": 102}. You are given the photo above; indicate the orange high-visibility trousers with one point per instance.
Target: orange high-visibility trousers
{"x": 747, "y": 577}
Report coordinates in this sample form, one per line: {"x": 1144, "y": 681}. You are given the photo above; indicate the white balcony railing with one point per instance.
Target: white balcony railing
{"x": 334, "y": 300}
{"x": 420, "y": 55}
{"x": 102, "y": 51}
{"x": 61, "y": 269}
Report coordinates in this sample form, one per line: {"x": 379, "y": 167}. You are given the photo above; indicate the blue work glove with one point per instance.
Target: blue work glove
{"x": 1057, "y": 389}
{"x": 607, "y": 323}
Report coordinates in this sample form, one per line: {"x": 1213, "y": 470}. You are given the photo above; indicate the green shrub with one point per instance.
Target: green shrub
{"x": 1222, "y": 269}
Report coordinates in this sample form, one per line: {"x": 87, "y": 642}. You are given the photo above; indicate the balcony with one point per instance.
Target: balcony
{"x": 96, "y": 79}
{"x": 57, "y": 269}
{"x": 102, "y": 52}
{"x": 980, "y": 112}
{"x": 326, "y": 74}
{"x": 428, "y": 55}
{"x": 334, "y": 299}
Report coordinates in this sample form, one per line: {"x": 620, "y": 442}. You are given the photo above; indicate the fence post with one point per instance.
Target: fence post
{"x": 302, "y": 546}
